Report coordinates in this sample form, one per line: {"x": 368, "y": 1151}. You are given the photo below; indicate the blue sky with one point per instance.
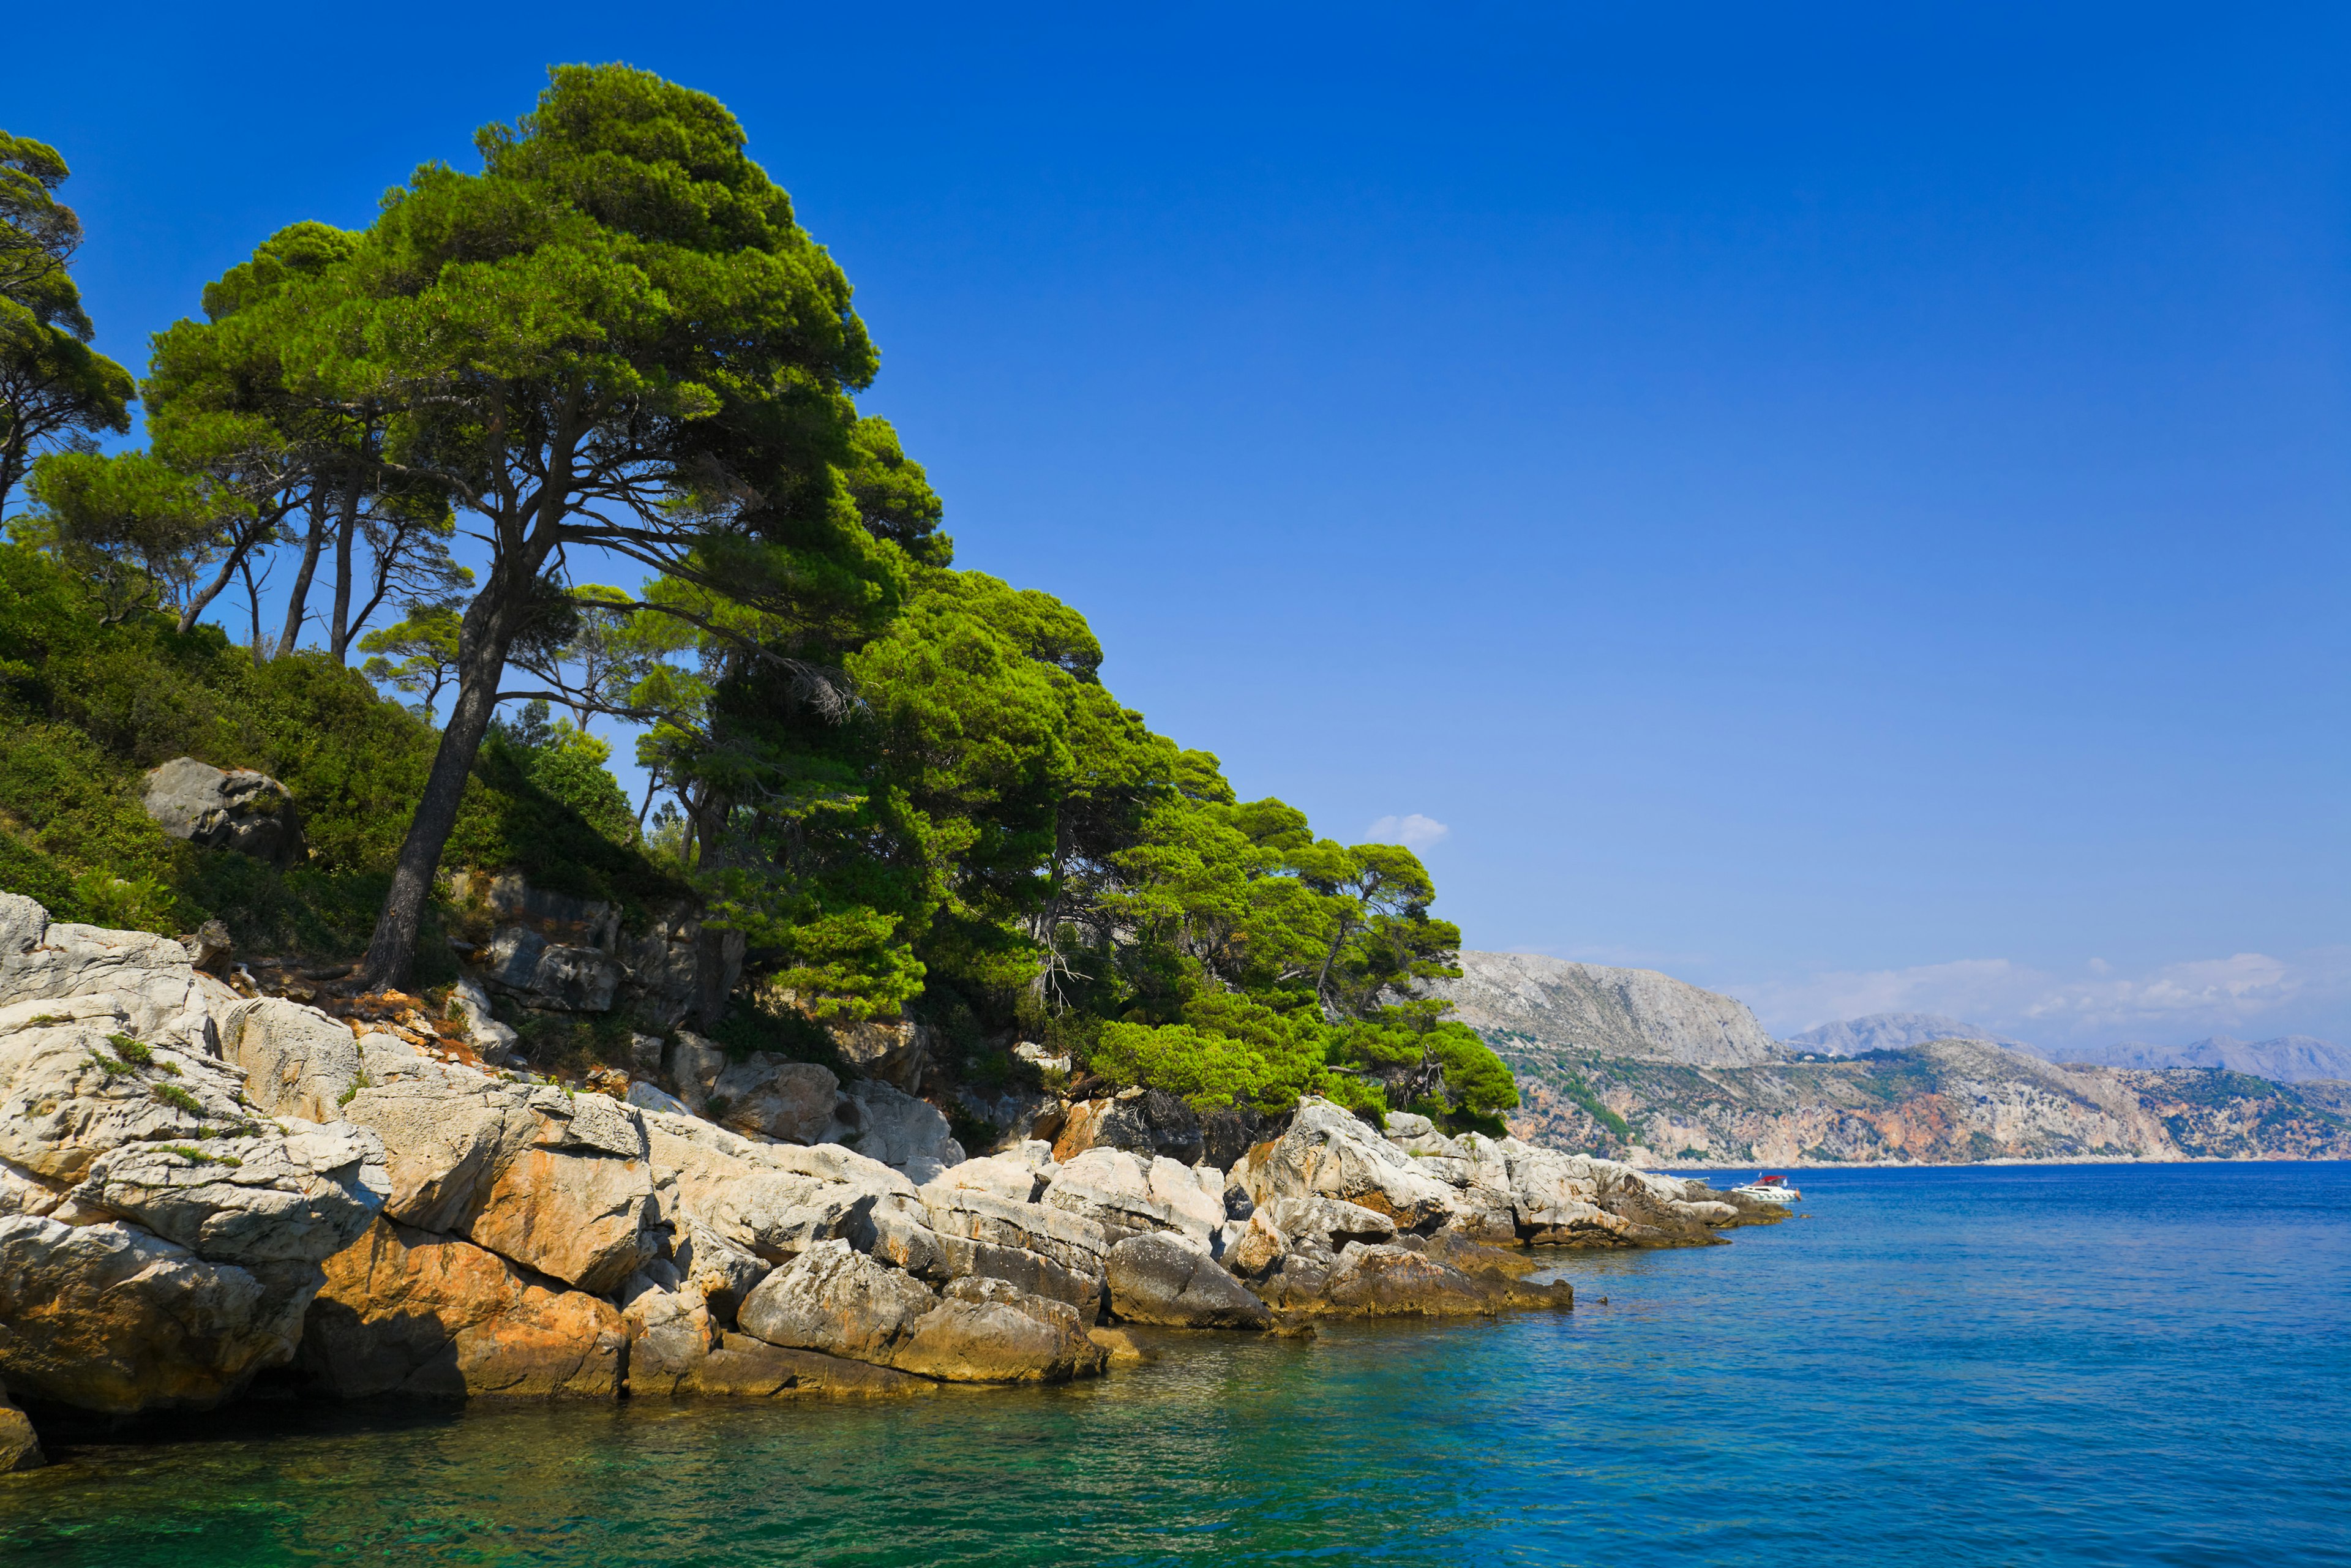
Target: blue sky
{"x": 1844, "y": 505}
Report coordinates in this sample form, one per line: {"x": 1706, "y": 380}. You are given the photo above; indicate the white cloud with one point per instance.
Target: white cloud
{"x": 1415, "y": 832}
{"x": 2236, "y": 994}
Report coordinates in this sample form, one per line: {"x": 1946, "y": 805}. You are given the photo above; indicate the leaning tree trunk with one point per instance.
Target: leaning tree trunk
{"x": 298, "y": 598}
{"x": 339, "y": 636}
{"x": 481, "y": 663}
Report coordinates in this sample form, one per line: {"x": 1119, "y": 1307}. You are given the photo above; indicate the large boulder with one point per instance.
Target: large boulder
{"x": 553, "y": 976}
{"x": 680, "y": 970}
{"x": 987, "y": 1331}
{"x": 1335, "y": 1222}
{"x": 1121, "y": 1193}
{"x": 160, "y": 1237}
{"x": 1145, "y": 1122}
{"x": 146, "y": 981}
{"x": 1327, "y": 1152}
{"x": 774, "y": 1098}
{"x": 20, "y": 1446}
{"x": 671, "y": 1328}
{"x": 889, "y": 1124}
{"x": 1013, "y": 1177}
{"x": 109, "y": 1317}
{"x": 554, "y": 950}
{"x": 224, "y": 809}
{"x": 293, "y": 1193}
{"x": 893, "y": 1052}
{"x": 677, "y": 1348}
{"x": 838, "y": 1301}
{"x": 1046, "y": 1251}
{"x": 1157, "y": 1278}
{"x": 560, "y": 1183}
{"x": 408, "y": 1312}
{"x": 693, "y": 1065}
{"x": 1575, "y": 1201}
{"x": 1394, "y": 1282}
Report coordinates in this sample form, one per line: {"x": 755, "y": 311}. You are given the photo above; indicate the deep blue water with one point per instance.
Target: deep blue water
{"x": 2109, "y": 1364}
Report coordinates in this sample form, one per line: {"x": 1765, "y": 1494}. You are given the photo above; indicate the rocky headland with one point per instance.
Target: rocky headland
{"x": 1647, "y": 1068}
{"x": 207, "y": 1191}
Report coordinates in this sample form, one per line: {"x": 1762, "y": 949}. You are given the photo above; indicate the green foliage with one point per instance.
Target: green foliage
{"x": 1577, "y": 1090}
{"x": 86, "y": 707}
{"x": 134, "y": 1051}
{"x": 424, "y": 644}
{"x": 55, "y": 391}
{"x": 765, "y": 1021}
{"x": 1211, "y": 1071}
{"x": 1365, "y": 1097}
{"x": 567, "y": 764}
{"x": 907, "y": 785}
{"x": 179, "y": 1099}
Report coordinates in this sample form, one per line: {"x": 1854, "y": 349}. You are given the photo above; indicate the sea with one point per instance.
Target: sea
{"x": 1988, "y": 1365}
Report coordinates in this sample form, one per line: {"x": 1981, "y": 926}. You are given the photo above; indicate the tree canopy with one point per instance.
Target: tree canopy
{"x": 56, "y": 392}
{"x": 905, "y": 784}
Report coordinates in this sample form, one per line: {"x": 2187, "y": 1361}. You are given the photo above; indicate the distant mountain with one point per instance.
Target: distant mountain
{"x": 1950, "y": 1101}
{"x": 1895, "y": 1031}
{"x": 1614, "y": 1013}
{"x": 2289, "y": 1059}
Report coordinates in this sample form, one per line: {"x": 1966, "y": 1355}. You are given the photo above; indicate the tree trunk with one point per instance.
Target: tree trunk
{"x": 200, "y": 602}
{"x": 299, "y": 595}
{"x": 13, "y": 465}
{"x": 253, "y": 608}
{"x": 481, "y": 663}
{"x": 339, "y": 636}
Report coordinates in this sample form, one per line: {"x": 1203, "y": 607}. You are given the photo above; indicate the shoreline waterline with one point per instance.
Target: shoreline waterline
{"x": 2040, "y": 1364}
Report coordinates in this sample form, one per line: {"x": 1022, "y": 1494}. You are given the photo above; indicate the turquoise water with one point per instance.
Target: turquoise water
{"x": 2108, "y": 1365}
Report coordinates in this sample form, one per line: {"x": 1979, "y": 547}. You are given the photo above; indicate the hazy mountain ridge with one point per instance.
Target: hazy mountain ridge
{"x": 1947, "y": 1103}
{"x": 1639, "y": 1065}
{"x": 1896, "y": 1031}
{"x": 2289, "y": 1059}
{"x": 1624, "y": 1012}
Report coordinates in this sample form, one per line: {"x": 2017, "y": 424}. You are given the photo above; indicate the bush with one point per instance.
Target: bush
{"x": 87, "y": 708}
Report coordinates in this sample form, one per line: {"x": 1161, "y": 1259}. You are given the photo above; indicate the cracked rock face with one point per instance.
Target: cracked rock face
{"x": 560, "y": 1183}
{"x": 406, "y": 1312}
{"x": 107, "y": 1316}
{"x": 160, "y": 1235}
{"x": 1327, "y": 1153}
{"x": 1125, "y": 1192}
{"x": 1157, "y": 1278}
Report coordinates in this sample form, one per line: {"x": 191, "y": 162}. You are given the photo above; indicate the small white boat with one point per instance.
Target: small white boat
{"x": 1770, "y": 1188}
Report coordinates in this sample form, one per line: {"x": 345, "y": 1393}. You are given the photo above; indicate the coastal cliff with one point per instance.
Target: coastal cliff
{"x": 201, "y": 1187}
{"x": 1947, "y": 1102}
{"x": 1616, "y": 1012}
{"x": 1639, "y": 1066}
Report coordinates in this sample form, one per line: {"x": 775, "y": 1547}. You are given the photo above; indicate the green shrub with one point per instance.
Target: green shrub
{"x": 179, "y": 1099}
{"x": 86, "y": 710}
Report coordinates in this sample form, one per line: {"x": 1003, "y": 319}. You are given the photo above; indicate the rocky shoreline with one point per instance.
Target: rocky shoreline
{"x": 204, "y": 1194}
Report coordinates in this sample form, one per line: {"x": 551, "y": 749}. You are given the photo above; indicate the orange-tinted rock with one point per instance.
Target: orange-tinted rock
{"x": 407, "y": 1312}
